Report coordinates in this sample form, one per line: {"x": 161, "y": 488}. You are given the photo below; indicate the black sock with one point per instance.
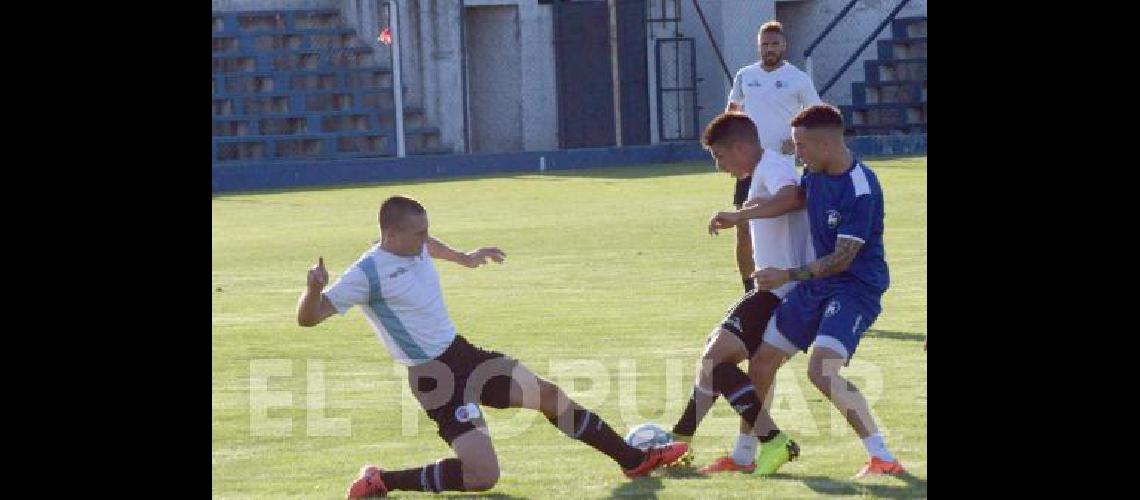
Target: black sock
{"x": 749, "y": 285}
{"x": 444, "y": 475}
{"x": 693, "y": 414}
{"x": 737, "y": 388}
{"x": 589, "y": 428}
{"x": 769, "y": 436}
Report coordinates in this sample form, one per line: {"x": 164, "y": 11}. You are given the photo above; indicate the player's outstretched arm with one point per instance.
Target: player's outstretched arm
{"x": 439, "y": 250}
{"x": 829, "y": 265}
{"x": 787, "y": 199}
{"x": 313, "y": 307}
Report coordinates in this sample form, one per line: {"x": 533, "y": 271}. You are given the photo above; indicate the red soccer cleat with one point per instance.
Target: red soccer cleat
{"x": 369, "y": 485}
{"x": 658, "y": 456}
{"x": 879, "y": 467}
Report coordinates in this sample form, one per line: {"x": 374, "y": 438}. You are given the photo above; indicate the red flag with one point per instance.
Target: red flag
{"x": 386, "y": 37}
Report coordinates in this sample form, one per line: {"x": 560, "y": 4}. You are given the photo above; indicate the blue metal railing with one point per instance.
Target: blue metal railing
{"x": 831, "y": 26}
{"x": 863, "y": 46}
{"x": 826, "y": 31}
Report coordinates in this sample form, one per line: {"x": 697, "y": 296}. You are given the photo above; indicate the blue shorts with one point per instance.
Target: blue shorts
{"x": 808, "y": 312}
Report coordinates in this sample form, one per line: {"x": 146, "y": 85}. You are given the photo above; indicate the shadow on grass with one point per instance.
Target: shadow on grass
{"x": 824, "y": 485}
{"x": 642, "y": 487}
{"x": 461, "y": 496}
{"x": 885, "y": 334}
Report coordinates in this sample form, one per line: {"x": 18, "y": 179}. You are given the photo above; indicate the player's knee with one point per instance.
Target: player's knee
{"x": 482, "y": 480}
{"x": 482, "y": 477}
{"x": 714, "y": 352}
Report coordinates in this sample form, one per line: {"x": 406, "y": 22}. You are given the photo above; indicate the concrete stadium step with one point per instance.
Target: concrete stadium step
{"x": 308, "y": 59}
{"x": 906, "y": 27}
{"x": 876, "y": 71}
{"x": 275, "y": 20}
{"x": 306, "y": 101}
{"x": 367, "y": 78}
{"x": 295, "y": 39}
{"x": 902, "y": 48}
{"x": 885, "y": 114}
{"x": 300, "y": 123}
{"x": 888, "y": 92}
{"x": 321, "y": 145}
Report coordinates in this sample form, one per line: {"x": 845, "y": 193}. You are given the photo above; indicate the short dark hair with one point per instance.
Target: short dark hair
{"x": 772, "y": 27}
{"x": 819, "y": 116}
{"x": 728, "y": 128}
{"x": 396, "y": 208}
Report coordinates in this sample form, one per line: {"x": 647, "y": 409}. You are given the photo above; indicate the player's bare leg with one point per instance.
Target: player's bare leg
{"x": 823, "y": 370}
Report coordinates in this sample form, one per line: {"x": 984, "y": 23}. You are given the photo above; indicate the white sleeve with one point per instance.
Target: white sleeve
{"x": 777, "y": 174}
{"x": 348, "y": 290}
{"x": 736, "y": 95}
{"x": 808, "y": 95}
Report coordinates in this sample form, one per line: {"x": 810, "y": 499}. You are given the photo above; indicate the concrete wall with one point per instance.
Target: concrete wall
{"x": 713, "y": 89}
{"x": 806, "y": 19}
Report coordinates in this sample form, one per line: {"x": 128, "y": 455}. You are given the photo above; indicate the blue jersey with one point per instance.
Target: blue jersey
{"x": 851, "y": 206}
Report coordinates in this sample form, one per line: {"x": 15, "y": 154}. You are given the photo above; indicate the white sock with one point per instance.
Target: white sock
{"x": 744, "y": 452}
{"x": 877, "y": 448}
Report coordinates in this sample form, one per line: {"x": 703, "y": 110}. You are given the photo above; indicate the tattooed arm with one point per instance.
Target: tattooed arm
{"x": 838, "y": 261}
{"x": 846, "y": 249}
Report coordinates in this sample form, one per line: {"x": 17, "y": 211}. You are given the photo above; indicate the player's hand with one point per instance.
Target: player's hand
{"x": 788, "y": 147}
{"x": 480, "y": 256}
{"x": 770, "y": 278}
{"x": 722, "y": 220}
{"x": 318, "y": 276}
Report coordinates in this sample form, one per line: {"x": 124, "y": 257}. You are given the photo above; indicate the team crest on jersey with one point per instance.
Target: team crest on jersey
{"x": 398, "y": 272}
{"x": 832, "y": 308}
{"x": 780, "y": 84}
{"x": 735, "y": 321}
{"x": 832, "y": 219}
{"x": 467, "y": 412}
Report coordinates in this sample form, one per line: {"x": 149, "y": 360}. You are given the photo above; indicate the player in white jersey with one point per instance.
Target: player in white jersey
{"x": 780, "y": 234}
{"x": 396, "y": 285}
{"x": 770, "y": 91}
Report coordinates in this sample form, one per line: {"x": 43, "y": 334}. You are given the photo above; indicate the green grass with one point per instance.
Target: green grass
{"x": 610, "y": 287}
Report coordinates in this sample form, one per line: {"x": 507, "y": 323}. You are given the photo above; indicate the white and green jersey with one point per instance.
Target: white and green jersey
{"x": 402, "y": 300}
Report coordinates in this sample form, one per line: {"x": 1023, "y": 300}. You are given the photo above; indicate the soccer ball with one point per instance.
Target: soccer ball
{"x": 646, "y": 435}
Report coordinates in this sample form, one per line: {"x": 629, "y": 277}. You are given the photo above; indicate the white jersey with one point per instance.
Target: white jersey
{"x": 402, "y": 300}
{"x": 772, "y": 99}
{"x": 782, "y": 242}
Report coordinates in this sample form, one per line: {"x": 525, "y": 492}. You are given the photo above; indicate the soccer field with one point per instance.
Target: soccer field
{"x": 610, "y": 287}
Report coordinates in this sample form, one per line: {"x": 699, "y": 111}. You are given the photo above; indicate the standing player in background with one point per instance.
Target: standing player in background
{"x": 770, "y": 91}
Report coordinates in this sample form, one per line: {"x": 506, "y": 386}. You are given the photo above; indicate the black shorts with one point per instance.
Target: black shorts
{"x": 749, "y": 318}
{"x": 741, "y": 194}
{"x": 452, "y": 386}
